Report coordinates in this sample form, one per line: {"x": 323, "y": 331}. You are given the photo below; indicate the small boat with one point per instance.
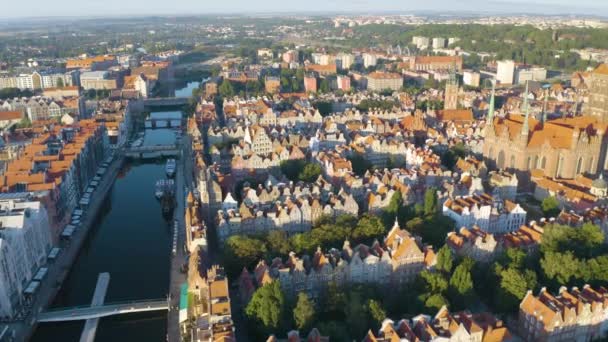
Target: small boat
{"x": 170, "y": 167}
{"x": 164, "y": 187}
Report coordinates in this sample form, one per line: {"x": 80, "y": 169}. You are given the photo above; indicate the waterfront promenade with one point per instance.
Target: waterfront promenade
{"x": 177, "y": 278}
{"x": 60, "y": 268}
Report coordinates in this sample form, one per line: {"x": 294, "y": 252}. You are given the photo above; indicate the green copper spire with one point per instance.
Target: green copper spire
{"x": 492, "y": 105}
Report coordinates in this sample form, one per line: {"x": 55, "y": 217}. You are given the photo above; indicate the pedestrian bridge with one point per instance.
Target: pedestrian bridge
{"x": 153, "y": 151}
{"x": 165, "y": 101}
{"x": 109, "y": 309}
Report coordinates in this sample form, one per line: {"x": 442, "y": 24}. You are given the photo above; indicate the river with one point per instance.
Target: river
{"x": 131, "y": 240}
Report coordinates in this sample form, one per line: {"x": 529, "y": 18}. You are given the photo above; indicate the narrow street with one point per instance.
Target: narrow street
{"x": 177, "y": 277}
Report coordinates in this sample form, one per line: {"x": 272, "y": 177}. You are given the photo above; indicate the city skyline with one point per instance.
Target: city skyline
{"x": 69, "y": 8}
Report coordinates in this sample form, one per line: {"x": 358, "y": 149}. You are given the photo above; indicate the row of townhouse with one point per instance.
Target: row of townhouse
{"x": 490, "y": 214}
{"x": 43, "y": 108}
{"x": 597, "y": 215}
{"x": 39, "y": 80}
{"x": 292, "y": 215}
{"x": 399, "y": 259}
{"x": 57, "y": 167}
{"x": 274, "y": 191}
{"x": 484, "y": 247}
{"x": 571, "y": 315}
{"x": 445, "y": 326}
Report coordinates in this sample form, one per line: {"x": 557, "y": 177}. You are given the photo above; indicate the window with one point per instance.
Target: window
{"x": 579, "y": 165}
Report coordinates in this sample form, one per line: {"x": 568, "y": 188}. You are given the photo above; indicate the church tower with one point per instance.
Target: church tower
{"x": 451, "y": 93}
{"x": 598, "y": 93}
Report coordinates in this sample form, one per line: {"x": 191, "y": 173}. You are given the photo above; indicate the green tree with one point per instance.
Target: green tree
{"x": 25, "y": 122}
{"x": 226, "y": 89}
{"x": 550, "y": 206}
{"x": 304, "y": 312}
{"x": 242, "y": 251}
{"x": 369, "y": 227}
{"x": 360, "y": 164}
{"x": 376, "y": 312}
{"x": 336, "y": 330}
{"x": 355, "y": 314}
{"x": 431, "y": 282}
{"x": 430, "y": 201}
{"x": 310, "y": 173}
{"x": 514, "y": 285}
{"x": 324, "y": 86}
{"x": 445, "y": 260}
{"x": 461, "y": 286}
{"x": 560, "y": 267}
{"x": 60, "y": 83}
{"x": 292, "y": 168}
{"x": 278, "y": 243}
{"x": 267, "y": 306}
{"x": 434, "y": 302}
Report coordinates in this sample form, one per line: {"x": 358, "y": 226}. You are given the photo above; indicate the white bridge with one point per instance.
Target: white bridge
{"x": 109, "y": 309}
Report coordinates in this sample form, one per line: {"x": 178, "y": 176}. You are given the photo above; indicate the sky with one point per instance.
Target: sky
{"x": 96, "y": 8}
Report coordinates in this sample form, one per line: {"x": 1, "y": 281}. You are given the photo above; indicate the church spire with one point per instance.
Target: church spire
{"x": 524, "y": 104}
{"x": 545, "y": 106}
{"x": 492, "y": 105}
{"x": 525, "y": 128}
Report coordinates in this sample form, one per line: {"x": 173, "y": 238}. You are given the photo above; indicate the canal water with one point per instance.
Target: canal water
{"x": 186, "y": 91}
{"x": 132, "y": 241}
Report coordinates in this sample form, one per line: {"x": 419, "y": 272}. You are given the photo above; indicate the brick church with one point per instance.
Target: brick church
{"x": 561, "y": 148}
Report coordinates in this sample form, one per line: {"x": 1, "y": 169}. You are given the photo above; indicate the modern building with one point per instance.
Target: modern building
{"x": 377, "y": 81}
{"x": 505, "y": 72}
{"x": 310, "y": 83}
{"x": 421, "y": 42}
{"x": 343, "y": 82}
{"x": 290, "y": 56}
{"x": 471, "y": 78}
{"x": 25, "y": 240}
{"x": 438, "y": 43}
{"x": 524, "y": 75}
{"x": 345, "y": 60}
{"x": 369, "y": 59}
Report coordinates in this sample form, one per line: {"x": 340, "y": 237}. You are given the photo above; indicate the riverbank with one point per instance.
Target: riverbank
{"x": 131, "y": 241}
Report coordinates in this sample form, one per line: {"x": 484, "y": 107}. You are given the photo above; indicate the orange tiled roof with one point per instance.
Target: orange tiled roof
{"x": 602, "y": 69}
{"x": 12, "y": 115}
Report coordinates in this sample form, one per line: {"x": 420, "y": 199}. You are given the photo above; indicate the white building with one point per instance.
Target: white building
{"x": 369, "y": 60}
{"x": 345, "y": 60}
{"x": 530, "y": 74}
{"x": 421, "y": 42}
{"x": 505, "y": 72}
{"x": 24, "y": 243}
{"x": 491, "y": 215}
{"x": 471, "y": 78}
{"x": 453, "y": 40}
{"x": 438, "y": 43}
